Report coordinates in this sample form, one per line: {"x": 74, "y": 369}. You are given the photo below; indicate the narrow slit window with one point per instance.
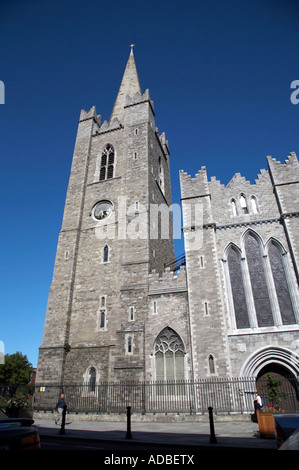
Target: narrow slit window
{"x": 106, "y": 254}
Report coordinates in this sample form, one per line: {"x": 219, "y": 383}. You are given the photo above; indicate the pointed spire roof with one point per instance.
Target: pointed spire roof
{"x": 129, "y": 86}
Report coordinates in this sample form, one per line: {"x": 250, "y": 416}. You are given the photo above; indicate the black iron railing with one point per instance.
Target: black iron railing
{"x": 225, "y": 395}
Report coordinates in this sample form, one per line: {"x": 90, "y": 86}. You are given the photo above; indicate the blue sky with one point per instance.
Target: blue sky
{"x": 219, "y": 73}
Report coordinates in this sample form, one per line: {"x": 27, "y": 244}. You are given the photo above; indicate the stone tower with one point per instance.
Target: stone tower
{"x": 98, "y": 301}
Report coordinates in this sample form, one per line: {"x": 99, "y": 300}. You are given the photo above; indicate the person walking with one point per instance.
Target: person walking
{"x": 59, "y": 408}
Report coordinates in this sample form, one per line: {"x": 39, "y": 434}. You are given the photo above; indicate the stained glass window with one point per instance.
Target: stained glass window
{"x": 281, "y": 285}
{"x": 258, "y": 282}
{"x": 237, "y": 287}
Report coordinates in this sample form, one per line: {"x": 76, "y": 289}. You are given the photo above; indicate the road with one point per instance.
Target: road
{"x": 63, "y": 443}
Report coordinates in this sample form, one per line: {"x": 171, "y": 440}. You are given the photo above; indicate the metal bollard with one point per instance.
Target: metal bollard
{"x": 129, "y": 434}
{"x": 62, "y": 429}
{"x": 213, "y": 439}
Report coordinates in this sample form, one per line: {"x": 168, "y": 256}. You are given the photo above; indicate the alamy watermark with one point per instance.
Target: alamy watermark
{"x": 2, "y": 92}
{"x": 155, "y": 221}
{"x": 295, "y": 94}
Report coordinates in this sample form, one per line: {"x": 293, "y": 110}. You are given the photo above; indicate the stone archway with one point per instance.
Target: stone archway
{"x": 276, "y": 357}
{"x": 279, "y": 362}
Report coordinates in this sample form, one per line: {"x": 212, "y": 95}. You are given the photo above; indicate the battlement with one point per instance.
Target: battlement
{"x": 193, "y": 187}
{"x": 169, "y": 282}
{"x": 91, "y": 114}
{"x": 109, "y": 126}
{"x": 139, "y": 98}
{"x": 284, "y": 173}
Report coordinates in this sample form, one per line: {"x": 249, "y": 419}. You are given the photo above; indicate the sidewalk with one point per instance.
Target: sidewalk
{"x": 229, "y": 435}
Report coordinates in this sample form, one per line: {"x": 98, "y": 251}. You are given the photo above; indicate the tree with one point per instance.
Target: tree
{"x": 16, "y": 369}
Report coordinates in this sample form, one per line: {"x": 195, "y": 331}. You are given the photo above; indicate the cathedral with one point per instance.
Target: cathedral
{"x": 122, "y": 308}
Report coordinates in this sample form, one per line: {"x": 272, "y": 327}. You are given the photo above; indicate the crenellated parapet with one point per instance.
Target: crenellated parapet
{"x": 91, "y": 114}
{"x": 194, "y": 187}
{"x": 169, "y": 282}
{"x": 284, "y": 173}
{"x": 139, "y": 98}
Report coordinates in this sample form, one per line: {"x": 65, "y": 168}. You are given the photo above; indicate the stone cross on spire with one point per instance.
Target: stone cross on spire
{"x": 129, "y": 86}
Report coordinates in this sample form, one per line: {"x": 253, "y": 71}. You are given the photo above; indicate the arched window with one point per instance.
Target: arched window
{"x": 211, "y": 364}
{"x": 243, "y": 204}
{"x": 106, "y": 254}
{"x": 169, "y": 354}
{"x": 102, "y": 319}
{"x": 281, "y": 284}
{"x": 258, "y": 281}
{"x": 129, "y": 345}
{"x": 234, "y": 207}
{"x": 92, "y": 379}
{"x": 237, "y": 287}
{"x": 254, "y": 205}
{"x": 261, "y": 288}
{"x": 161, "y": 175}
{"x": 107, "y": 163}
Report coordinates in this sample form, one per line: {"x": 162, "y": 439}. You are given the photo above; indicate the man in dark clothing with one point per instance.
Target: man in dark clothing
{"x": 59, "y": 407}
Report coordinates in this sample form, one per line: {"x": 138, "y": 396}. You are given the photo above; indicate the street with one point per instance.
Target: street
{"x": 64, "y": 443}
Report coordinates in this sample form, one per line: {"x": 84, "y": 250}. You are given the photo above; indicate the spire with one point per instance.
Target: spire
{"x": 129, "y": 86}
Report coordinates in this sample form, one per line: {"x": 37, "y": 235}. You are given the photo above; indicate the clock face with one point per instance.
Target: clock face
{"x": 102, "y": 210}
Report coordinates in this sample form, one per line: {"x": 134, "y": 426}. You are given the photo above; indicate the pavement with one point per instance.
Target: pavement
{"x": 242, "y": 435}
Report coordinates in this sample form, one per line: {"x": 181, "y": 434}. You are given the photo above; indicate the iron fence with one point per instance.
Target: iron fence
{"x": 225, "y": 395}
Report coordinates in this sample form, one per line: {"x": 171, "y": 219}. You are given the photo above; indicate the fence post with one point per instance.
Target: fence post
{"x": 62, "y": 429}
{"x": 129, "y": 434}
{"x": 213, "y": 439}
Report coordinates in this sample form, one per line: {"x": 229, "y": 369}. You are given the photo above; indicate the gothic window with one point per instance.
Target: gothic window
{"x": 102, "y": 314}
{"x": 107, "y": 163}
{"x": 102, "y": 319}
{"x": 281, "y": 284}
{"x": 211, "y": 364}
{"x": 259, "y": 285}
{"x": 258, "y": 281}
{"x": 169, "y": 355}
{"x": 131, "y": 314}
{"x": 243, "y": 204}
{"x": 254, "y": 205}
{"x": 106, "y": 254}
{"x": 161, "y": 176}
{"x": 234, "y": 207}
{"x": 92, "y": 379}
{"x": 237, "y": 288}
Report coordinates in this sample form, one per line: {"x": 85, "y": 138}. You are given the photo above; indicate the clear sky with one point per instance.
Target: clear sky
{"x": 218, "y": 71}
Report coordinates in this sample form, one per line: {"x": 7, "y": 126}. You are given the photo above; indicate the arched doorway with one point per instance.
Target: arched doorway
{"x": 280, "y": 363}
{"x": 288, "y": 386}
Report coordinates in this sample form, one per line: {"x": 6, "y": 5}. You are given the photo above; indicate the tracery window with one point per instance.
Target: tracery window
{"x": 107, "y": 163}
{"x": 281, "y": 284}
{"x": 237, "y": 287}
{"x": 258, "y": 280}
{"x": 169, "y": 353}
{"x": 260, "y": 284}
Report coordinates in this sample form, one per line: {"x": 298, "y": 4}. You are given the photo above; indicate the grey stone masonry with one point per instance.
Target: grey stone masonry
{"x": 116, "y": 313}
